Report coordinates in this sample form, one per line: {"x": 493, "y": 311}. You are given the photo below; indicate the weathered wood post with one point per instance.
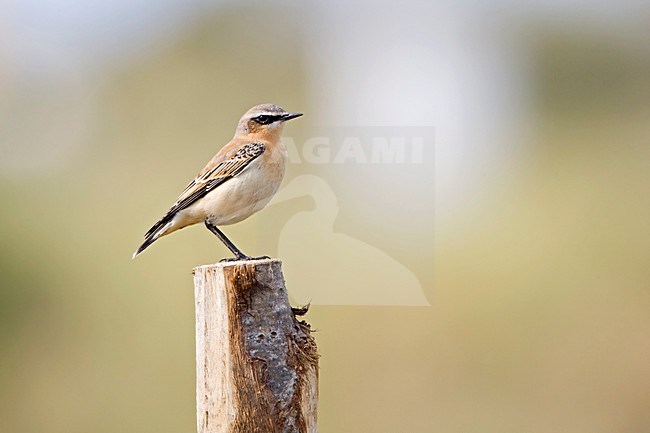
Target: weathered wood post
{"x": 256, "y": 364}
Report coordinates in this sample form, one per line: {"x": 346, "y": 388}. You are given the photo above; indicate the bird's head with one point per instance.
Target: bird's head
{"x": 264, "y": 120}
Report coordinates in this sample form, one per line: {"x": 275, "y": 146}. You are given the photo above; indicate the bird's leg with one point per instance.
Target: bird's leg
{"x": 227, "y": 242}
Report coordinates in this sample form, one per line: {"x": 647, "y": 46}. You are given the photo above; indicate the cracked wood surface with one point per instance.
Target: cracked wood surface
{"x": 256, "y": 363}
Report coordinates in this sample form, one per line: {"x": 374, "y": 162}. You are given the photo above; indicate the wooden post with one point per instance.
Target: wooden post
{"x": 256, "y": 364}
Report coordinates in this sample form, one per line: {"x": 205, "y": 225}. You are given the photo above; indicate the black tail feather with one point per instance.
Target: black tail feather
{"x": 148, "y": 241}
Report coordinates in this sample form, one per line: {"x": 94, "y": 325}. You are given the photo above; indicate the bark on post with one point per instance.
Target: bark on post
{"x": 256, "y": 364}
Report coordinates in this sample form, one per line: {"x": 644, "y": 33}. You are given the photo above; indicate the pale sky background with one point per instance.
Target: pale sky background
{"x": 468, "y": 81}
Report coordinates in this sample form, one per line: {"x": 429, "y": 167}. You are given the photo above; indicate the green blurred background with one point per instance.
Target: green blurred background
{"x": 534, "y": 254}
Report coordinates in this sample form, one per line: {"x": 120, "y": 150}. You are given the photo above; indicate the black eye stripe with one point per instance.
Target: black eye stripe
{"x": 265, "y": 119}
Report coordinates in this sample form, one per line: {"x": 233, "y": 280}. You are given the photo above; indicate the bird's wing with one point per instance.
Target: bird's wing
{"x": 218, "y": 171}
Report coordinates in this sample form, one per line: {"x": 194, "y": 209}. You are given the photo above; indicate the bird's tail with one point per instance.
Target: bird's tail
{"x": 150, "y": 238}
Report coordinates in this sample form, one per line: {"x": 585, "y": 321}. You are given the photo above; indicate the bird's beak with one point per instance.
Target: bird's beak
{"x": 290, "y": 116}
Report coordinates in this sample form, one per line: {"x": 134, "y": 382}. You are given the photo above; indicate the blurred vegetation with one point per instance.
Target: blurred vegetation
{"x": 539, "y": 319}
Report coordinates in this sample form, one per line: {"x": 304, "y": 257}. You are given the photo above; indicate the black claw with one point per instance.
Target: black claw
{"x": 244, "y": 258}
{"x": 235, "y": 259}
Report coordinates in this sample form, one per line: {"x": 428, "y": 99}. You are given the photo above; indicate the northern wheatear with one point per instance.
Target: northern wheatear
{"x": 239, "y": 181}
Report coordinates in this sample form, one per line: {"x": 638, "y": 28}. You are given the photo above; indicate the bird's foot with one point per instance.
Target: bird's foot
{"x": 234, "y": 259}
{"x": 243, "y": 258}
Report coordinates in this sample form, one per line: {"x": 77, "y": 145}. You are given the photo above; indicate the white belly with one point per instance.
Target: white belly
{"x": 236, "y": 199}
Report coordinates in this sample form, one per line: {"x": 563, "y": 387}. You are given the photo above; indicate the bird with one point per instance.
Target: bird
{"x": 236, "y": 183}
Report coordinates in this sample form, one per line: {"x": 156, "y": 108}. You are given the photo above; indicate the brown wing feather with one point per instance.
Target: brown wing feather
{"x": 218, "y": 171}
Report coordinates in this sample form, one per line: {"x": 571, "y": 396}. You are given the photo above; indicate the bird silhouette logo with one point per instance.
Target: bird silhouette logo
{"x": 308, "y": 240}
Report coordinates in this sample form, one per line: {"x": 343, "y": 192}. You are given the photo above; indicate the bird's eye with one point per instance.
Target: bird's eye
{"x": 263, "y": 119}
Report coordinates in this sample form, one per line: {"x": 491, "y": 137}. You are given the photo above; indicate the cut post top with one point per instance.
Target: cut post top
{"x": 239, "y": 263}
